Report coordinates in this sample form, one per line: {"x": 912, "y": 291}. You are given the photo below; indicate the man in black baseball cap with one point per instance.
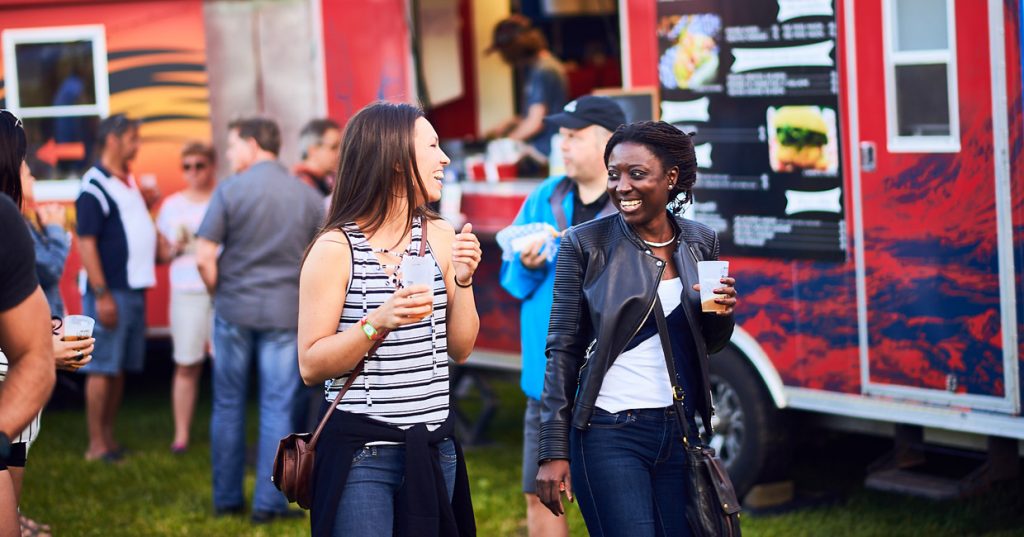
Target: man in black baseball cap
{"x": 589, "y": 110}
{"x": 585, "y": 125}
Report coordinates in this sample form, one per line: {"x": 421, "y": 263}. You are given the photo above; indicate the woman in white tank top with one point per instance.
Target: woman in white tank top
{"x": 350, "y": 293}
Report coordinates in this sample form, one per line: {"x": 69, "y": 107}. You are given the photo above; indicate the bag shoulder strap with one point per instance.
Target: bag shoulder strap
{"x": 358, "y": 369}
{"x": 677, "y": 391}
{"x": 424, "y": 224}
{"x": 562, "y": 189}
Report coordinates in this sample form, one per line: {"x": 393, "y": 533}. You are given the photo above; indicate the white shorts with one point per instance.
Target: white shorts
{"x": 191, "y": 326}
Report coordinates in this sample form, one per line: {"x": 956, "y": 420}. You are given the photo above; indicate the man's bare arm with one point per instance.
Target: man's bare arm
{"x": 26, "y": 341}
{"x": 90, "y": 255}
{"x": 206, "y": 259}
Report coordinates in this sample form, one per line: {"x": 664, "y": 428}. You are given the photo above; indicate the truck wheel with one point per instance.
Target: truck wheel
{"x": 750, "y": 432}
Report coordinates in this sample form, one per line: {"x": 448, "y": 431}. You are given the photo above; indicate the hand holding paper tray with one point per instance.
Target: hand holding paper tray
{"x": 515, "y": 239}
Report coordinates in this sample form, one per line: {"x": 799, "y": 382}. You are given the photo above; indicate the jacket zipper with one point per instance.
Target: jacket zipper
{"x": 586, "y": 360}
{"x": 692, "y": 253}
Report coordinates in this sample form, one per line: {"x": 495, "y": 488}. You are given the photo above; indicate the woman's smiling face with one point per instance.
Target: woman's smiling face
{"x": 638, "y": 184}
{"x": 430, "y": 159}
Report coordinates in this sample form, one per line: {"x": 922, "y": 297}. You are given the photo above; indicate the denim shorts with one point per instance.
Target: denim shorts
{"x": 531, "y": 439}
{"x": 123, "y": 348}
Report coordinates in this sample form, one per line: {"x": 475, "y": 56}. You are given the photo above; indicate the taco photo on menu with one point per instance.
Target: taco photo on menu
{"x": 691, "y": 60}
{"x": 801, "y": 138}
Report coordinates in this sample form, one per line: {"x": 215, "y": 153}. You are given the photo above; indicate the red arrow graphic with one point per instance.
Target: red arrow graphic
{"x": 51, "y": 152}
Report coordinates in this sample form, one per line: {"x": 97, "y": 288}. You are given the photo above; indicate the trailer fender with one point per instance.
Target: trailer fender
{"x": 752, "y": 351}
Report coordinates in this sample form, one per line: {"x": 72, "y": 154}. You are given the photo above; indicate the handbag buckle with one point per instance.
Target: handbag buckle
{"x": 677, "y": 393}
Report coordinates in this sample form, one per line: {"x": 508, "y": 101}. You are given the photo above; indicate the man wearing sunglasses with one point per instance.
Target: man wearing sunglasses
{"x": 191, "y": 312}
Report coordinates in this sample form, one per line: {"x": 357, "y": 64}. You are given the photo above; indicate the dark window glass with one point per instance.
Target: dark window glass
{"x": 55, "y": 74}
{"x": 922, "y": 100}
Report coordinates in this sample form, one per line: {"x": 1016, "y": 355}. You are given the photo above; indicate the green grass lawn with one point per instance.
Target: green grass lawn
{"x": 154, "y": 492}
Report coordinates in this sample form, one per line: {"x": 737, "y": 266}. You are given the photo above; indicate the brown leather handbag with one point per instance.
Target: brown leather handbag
{"x": 293, "y": 463}
{"x": 711, "y": 508}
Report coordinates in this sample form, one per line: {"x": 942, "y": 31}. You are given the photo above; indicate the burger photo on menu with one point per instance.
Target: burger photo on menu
{"x": 802, "y": 138}
{"x": 691, "y": 59}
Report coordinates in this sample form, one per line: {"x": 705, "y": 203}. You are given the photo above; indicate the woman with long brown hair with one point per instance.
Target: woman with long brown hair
{"x": 386, "y": 461}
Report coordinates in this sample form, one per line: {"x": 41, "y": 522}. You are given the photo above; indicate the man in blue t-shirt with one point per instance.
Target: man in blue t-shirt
{"x": 581, "y": 195}
{"x": 117, "y": 244}
{"x": 545, "y": 85}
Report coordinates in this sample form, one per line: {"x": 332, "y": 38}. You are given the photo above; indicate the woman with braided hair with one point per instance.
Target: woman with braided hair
{"x": 609, "y": 429}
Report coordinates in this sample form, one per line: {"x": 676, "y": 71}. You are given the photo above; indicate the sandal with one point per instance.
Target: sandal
{"x": 31, "y": 528}
{"x": 109, "y": 457}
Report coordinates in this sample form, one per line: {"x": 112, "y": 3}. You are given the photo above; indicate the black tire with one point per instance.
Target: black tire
{"x": 750, "y": 432}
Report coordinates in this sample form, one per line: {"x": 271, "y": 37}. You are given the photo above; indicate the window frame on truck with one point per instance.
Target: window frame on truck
{"x": 57, "y": 189}
{"x": 895, "y": 58}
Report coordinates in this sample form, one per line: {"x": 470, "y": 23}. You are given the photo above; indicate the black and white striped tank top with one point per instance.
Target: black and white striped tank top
{"x": 32, "y": 431}
{"x": 406, "y": 381}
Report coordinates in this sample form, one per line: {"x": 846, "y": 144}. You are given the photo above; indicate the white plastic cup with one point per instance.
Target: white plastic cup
{"x": 710, "y": 274}
{"x": 78, "y": 327}
{"x": 417, "y": 270}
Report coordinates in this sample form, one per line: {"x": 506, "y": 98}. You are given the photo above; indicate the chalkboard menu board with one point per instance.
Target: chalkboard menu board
{"x": 638, "y": 104}
{"x": 756, "y": 81}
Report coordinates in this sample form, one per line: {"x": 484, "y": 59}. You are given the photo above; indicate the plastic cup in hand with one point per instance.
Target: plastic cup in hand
{"x": 78, "y": 327}
{"x": 417, "y": 270}
{"x": 710, "y": 274}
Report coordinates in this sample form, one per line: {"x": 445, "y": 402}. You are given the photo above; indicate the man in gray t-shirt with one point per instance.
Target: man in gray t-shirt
{"x": 249, "y": 251}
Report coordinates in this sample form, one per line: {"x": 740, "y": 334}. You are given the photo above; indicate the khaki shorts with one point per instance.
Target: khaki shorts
{"x": 191, "y": 326}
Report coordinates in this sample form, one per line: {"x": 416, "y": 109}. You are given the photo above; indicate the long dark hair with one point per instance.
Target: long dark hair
{"x": 377, "y": 166}
{"x": 672, "y": 147}
{"x": 13, "y": 147}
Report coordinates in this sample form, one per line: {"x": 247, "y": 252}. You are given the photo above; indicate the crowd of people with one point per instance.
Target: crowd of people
{"x": 301, "y": 272}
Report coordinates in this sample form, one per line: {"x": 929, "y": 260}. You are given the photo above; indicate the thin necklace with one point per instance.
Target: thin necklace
{"x": 660, "y": 244}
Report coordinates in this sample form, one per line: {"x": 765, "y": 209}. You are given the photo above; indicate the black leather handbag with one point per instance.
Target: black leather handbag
{"x": 711, "y": 507}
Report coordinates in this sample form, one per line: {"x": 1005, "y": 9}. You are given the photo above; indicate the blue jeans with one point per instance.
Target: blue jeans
{"x": 367, "y": 506}
{"x": 277, "y": 365}
{"x": 628, "y": 474}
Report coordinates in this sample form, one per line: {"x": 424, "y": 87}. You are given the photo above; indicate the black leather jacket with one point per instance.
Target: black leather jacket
{"x": 606, "y": 280}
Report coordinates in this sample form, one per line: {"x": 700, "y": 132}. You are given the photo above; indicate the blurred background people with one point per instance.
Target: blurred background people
{"x": 191, "y": 308}
{"x": 545, "y": 86}
{"x": 263, "y": 220}
{"x": 117, "y": 243}
{"x": 320, "y": 142}
{"x": 26, "y": 350}
{"x": 46, "y": 223}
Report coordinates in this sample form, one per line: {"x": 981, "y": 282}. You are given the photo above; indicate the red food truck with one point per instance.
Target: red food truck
{"x": 861, "y": 162}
